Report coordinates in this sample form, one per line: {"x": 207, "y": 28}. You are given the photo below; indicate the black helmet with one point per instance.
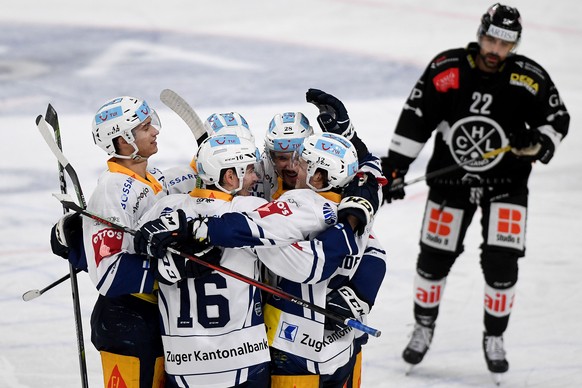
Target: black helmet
{"x": 501, "y": 22}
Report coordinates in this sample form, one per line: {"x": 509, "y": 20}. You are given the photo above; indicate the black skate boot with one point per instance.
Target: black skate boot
{"x": 419, "y": 343}
{"x": 495, "y": 356}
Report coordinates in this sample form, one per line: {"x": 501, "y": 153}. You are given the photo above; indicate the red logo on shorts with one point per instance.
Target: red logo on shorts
{"x": 274, "y": 207}
{"x": 439, "y": 222}
{"x": 116, "y": 380}
{"x": 509, "y": 220}
{"x": 106, "y": 242}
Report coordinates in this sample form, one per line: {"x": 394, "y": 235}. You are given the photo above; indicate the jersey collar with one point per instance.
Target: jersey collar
{"x": 205, "y": 193}
{"x": 149, "y": 180}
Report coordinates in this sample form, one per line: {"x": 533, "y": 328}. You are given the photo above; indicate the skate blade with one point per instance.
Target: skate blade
{"x": 409, "y": 368}
{"x": 496, "y": 378}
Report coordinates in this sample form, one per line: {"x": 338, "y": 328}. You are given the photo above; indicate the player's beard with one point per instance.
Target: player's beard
{"x": 491, "y": 61}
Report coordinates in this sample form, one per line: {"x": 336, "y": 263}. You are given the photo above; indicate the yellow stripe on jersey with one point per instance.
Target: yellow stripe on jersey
{"x": 205, "y": 193}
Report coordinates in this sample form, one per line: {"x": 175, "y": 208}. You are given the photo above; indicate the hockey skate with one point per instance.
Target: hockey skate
{"x": 495, "y": 356}
{"x": 418, "y": 346}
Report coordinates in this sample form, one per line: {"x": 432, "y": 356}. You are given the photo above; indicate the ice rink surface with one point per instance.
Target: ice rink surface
{"x": 259, "y": 58}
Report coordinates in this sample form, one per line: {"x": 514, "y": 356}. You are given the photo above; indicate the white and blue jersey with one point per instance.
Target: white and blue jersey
{"x": 303, "y": 214}
{"x": 121, "y": 196}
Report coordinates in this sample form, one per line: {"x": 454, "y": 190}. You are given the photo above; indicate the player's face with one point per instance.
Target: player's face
{"x": 492, "y": 53}
{"x": 145, "y": 136}
{"x": 284, "y": 168}
{"x": 301, "y": 178}
{"x": 249, "y": 181}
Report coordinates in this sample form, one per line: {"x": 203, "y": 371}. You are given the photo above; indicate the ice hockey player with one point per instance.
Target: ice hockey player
{"x": 477, "y": 99}
{"x": 226, "y": 165}
{"x": 311, "y": 354}
{"x": 182, "y": 179}
{"x": 125, "y": 319}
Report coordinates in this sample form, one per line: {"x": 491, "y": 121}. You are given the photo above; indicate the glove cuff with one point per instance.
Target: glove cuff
{"x": 167, "y": 269}
{"x": 358, "y": 306}
{"x": 358, "y": 207}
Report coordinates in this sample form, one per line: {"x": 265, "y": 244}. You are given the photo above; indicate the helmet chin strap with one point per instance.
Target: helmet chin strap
{"x": 134, "y": 155}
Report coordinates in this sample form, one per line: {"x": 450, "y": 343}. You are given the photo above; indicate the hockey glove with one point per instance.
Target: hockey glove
{"x": 345, "y": 303}
{"x": 532, "y": 145}
{"x": 395, "y": 187}
{"x": 361, "y": 199}
{"x": 333, "y": 115}
{"x": 172, "y": 268}
{"x": 68, "y": 231}
{"x": 155, "y": 236}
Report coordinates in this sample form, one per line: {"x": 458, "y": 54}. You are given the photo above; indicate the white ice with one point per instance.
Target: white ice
{"x": 37, "y": 338}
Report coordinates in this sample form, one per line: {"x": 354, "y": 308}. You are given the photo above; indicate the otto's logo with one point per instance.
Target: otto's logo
{"x": 474, "y": 136}
{"x": 106, "y": 242}
{"x": 274, "y": 207}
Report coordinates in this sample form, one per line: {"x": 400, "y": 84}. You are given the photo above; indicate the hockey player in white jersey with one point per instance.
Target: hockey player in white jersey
{"x": 182, "y": 179}
{"x": 310, "y": 353}
{"x": 212, "y": 326}
{"x": 124, "y": 322}
{"x": 285, "y": 135}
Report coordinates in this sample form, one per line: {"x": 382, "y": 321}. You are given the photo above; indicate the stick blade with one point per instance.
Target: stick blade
{"x": 51, "y": 115}
{"x": 176, "y": 103}
{"x": 67, "y": 201}
{"x": 30, "y": 295}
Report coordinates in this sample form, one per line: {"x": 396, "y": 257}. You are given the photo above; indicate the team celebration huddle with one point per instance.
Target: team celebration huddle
{"x": 257, "y": 265}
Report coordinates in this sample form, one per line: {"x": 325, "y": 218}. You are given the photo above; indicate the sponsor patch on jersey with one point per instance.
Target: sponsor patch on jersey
{"x": 448, "y": 79}
{"x": 507, "y": 226}
{"x": 106, "y": 242}
{"x": 441, "y": 227}
{"x": 275, "y": 207}
{"x": 329, "y": 214}
{"x": 288, "y": 331}
{"x": 524, "y": 81}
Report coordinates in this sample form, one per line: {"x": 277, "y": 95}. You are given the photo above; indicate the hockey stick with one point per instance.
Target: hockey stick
{"x": 176, "y": 103}
{"x": 52, "y": 118}
{"x": 45, "y": 131}
{"x": 32, "y": 294}
{"x": 446, "y": 170}
{"x": 68, "y": 202}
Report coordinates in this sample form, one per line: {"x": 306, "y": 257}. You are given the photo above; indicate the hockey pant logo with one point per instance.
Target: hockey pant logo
{"x": 507, "y": 226}
{"x": 441, "y": 227}
{"x": 499, "y": 302}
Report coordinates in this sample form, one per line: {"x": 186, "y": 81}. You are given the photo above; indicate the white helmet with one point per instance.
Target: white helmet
{"x": 117, "y": 118}
{"x": 220, "y": 152}
{"x": 228, "y": 124}
{"x": 332, "y": 153}
{"x": 287, "y": 131}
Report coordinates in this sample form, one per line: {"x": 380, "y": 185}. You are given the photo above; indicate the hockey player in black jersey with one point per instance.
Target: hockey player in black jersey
{"x": 477, "y": 99}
